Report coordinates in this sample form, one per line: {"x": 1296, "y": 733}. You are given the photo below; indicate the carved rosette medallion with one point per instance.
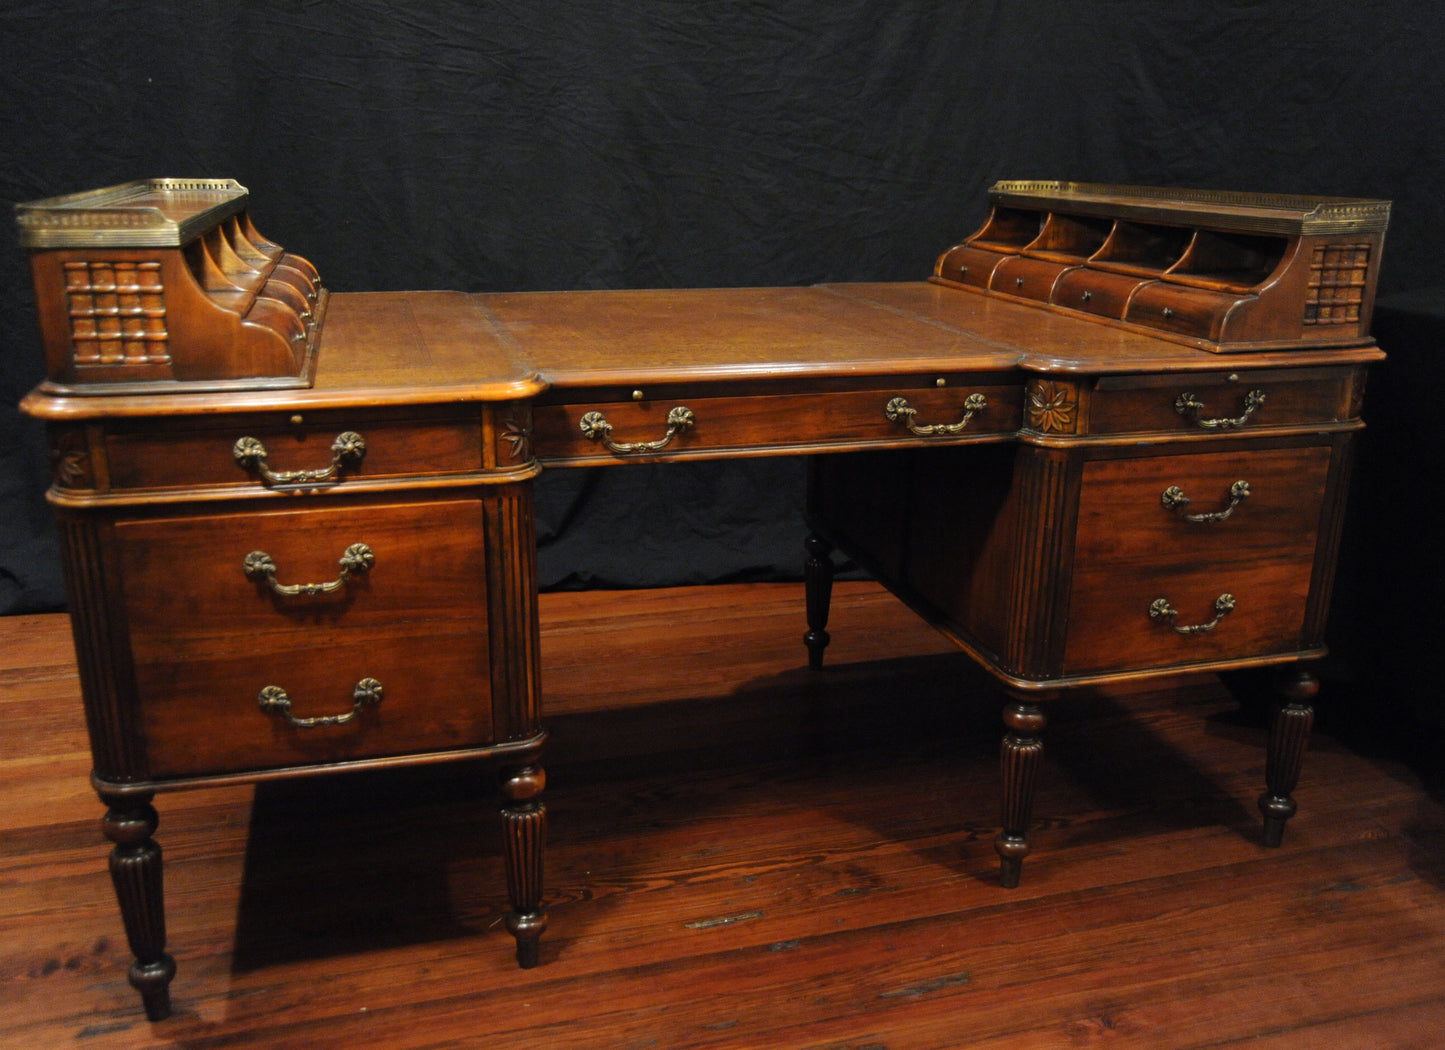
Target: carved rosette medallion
{"x": 514, "y": 441}
{"x": 70, "y": 463}
{"x": 1053, "y": 407}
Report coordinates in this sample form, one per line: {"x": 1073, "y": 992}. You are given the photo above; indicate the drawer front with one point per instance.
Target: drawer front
{"x": 1221, "y": 403}
{"x": 970, "y": 266}
{"x": 1196, "y": 312}
{"x": 1185, "y": 510}
{"x": 759, "y": 423}
{"x": 1028, "y": 278}
{"x": 208, "y": 638}
{"x": 186, "y": 456}
{"x": 1096, "y": 291}
{"x": 1222, "y": 538}
{"x": 1111, "y": 628}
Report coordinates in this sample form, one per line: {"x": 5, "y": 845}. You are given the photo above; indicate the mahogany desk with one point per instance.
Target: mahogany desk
{"x": 286, "y": 578}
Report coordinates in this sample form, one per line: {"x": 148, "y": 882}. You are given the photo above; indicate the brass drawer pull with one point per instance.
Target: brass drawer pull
{"x": 275, "y": 701}
{"x": 1173, "y": 498}
{"x": 346, "y": 450}
{"x": 355, "y": 561}
{"x": 1160, "y": 611}
{"x": 898, "y": 410}
{"x": 596, "y": 428}
{"x": 1185, "y": 404}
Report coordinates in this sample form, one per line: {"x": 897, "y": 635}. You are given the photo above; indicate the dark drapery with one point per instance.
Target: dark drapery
{"x": 548, "y": 144}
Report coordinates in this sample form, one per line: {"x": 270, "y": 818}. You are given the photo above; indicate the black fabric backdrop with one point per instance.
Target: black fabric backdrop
{"x": 545, "y": 144}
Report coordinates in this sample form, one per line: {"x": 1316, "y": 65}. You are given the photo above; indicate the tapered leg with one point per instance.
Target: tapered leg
{"x": 524, "y": 827}
{"x": 818, "y": 586}
{"x": 1289, "y": 733}
{"x": 135, "y": 869}
{"x": 1019, "y": 759}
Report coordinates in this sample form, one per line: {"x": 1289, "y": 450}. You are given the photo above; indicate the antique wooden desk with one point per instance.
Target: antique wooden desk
{"x": 1109, "y": 439}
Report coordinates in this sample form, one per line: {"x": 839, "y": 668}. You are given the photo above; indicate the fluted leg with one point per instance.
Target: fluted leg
{"x": 135, "y": 870}
{"x": 818, "y": 586}
{"x": 1019, "y": 759}
{"x": 1289, "y": 734}
{"x": 524, "y": 827}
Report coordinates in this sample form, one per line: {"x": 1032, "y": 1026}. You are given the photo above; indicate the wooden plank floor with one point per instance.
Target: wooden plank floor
{"x": 744, "y": 854}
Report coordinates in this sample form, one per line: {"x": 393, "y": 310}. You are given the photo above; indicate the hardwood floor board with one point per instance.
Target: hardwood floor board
{"x": 914, "y": 977}
{"x": 1414, "y": 1025}
{"x": 754, "y": 856}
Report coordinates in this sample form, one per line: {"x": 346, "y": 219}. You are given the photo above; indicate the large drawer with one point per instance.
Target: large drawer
{"x": 1225, "y": 538}
{"x": 204, "y": 452}
{"x": 757, "y": 423}
{"x": 1111, "y": 629}
{"x": 1188, "y": 510}
{"x": 208, "y": 638}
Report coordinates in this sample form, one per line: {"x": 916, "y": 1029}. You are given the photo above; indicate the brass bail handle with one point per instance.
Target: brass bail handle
{"x": 1161, "y": 612}
{"x": 346, "y": 451}
{"x": 1173, "y": 498}
{"x": 274, "y": 700}
{"x": 356, "y": 560}
{"x": 898, "y": 410}
{"x": 1189, "y": 406}
{"x": 596, "y": 428}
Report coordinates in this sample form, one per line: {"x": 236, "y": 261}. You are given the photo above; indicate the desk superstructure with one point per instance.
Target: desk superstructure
{"x": 298, "y": 529}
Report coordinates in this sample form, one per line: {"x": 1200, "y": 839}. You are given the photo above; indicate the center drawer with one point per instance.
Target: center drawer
{"x": 222, "y": 607}
{"x": 590, "y": 429}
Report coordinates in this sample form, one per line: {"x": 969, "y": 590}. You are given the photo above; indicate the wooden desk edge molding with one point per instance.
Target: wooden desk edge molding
{"x": 1108, "y": 439}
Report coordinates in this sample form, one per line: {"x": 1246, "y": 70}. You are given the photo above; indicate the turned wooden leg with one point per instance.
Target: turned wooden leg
{"x": 135, "y": 869}
{"x": 524, "y": 827}
{"x": 1019, "y": 759}
{"x": 1289, "y": 733}
{"x": 818, "y": 586}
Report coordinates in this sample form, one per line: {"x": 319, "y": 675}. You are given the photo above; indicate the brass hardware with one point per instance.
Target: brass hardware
{"x": 297, "y": 420}
{"x": 1160, "y": 611}
{"x": 347, "y": 450}
{"x": 1168, "y": 312}
{"x": 276, "y": 701}
{"x": 357, "y": 559}
{"x": 1184, "y": 404}
{"x": 1018, "y": 282}
{"x": 1087, "y": 296}
{"x": 596, "y": 428}
{"x": 637, "y": 395}
{"x": 1173, "y": 498}
{"x": 899, "y": 411}
{"x": 941, "y": 381}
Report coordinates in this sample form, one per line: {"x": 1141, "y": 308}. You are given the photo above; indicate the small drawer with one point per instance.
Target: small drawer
{"x": 210, "y": 632}
{"x": 1029, "y": 278}
{"x": 1096, "y": 292}
{"x": 599, "y": 431}
{"x": 1221, "y": 402}
{"x": 970, "y": 266}
{"x": 331, "y": 448}
{"x": 1196, "y": 312}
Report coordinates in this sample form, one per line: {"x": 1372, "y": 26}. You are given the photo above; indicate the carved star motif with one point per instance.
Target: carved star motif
{"x": 1053, "y": 407}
